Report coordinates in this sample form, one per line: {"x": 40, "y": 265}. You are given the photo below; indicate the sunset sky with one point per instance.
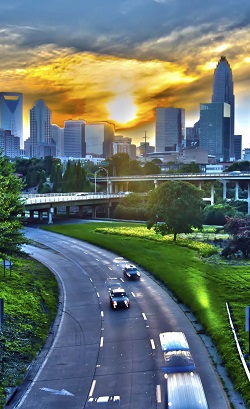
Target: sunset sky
{"x": 117, "y": 60}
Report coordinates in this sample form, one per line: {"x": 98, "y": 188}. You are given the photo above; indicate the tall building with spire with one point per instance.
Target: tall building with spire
{"x": 40, "y": 128}
{"x": 11, "y": 114}
{"x": 223, "y": 92}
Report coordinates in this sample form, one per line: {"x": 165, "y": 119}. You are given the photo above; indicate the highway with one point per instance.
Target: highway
{"x": 97, "y": 358}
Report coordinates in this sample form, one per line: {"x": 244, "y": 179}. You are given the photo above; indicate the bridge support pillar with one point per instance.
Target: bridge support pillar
{"x": 40, "y": 215}
{"x": 50, "y": 212}
{"x": 237, "y": 190}
{"x": 80, "y": 211}
{"x": 212, "y": 193}
{"x": 224, "y": 194}
{"x": 67, "y": 210}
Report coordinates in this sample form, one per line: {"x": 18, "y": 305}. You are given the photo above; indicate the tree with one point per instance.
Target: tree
{"x": 175, "y": 207}
{"x": 11, "y": 208}
{"x": 189, "y": 168}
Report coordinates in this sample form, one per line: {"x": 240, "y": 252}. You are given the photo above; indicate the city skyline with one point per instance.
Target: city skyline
{"x": 119, "y": 61}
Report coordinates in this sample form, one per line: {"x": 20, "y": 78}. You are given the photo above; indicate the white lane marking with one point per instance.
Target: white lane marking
{"x": 101, "y": 342}
{"x": 85, "y": 252}
{"x": 57, "y": 391}
{"x": 144, "y": 316}
{"x": 92, "y": 388}
{"x": 122, "y": 280}
{"x": 102, "y": 314}
{"x": 133, "y": 294}
{"x": 98, "y": 295}
{"x": 91, "y": 280}
{"x": 152, "y": 344}
{"x": 97, "y": 259}
{"x": 110, "y": 268}
{"x": 158, "y": 393}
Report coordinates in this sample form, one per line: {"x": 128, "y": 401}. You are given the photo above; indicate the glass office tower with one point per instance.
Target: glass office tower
{"x": 214, "y": 127}
{"x": 11, "y": 113}
{"x": 223, "y": 92}
{"x": 169, "y": 129}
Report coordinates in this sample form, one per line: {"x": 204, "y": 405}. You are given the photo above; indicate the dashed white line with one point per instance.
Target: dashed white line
{"x": 98, "y": 295}
{"x": 133, "y": 294}
{"x": 97, "y": 259}
{"x": 91, "y": 280}
{"x": 152, "y": 344}
{"x": 122, "y": 280}
{"x": 101, "y": 342}
{"x": 144, "y": 316}
{"x": 92, "y": 388}
{"x": 110, "y": 268}
{"x": 158, "y": 393}
{"x": 102, "y": 314}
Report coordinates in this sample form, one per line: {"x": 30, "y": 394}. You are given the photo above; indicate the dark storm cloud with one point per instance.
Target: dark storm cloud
{"x": 119, "y": 27}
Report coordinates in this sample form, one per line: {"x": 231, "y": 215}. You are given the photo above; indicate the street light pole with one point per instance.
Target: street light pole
{"x": 107, "y": 173}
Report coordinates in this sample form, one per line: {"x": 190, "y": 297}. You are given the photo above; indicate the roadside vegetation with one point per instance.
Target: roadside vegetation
{"x": 194, "y": 271}
{"x": 30, "y": 294}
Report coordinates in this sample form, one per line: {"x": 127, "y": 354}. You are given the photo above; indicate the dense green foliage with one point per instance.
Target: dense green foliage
{"x": 204, "y": 285}
{"x": 30, "y": 297}
{"x": 132, "y": 207}
{"x": 11, "y": 210}
{"x": 175, "y": 207}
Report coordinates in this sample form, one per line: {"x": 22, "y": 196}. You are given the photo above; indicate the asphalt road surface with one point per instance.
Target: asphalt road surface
{"x": 99, "y": 358}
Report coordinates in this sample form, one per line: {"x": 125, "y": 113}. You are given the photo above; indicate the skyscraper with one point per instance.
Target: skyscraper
{"x": 74, "y": 138}
{"x": 214, "y": 127}
{"x": 99, "y": 137}
{"x": 223, "y": 92}
{"x": 11, "y": 113}
{"x": 170, "y": 129}
{"x": 40, "y": 127}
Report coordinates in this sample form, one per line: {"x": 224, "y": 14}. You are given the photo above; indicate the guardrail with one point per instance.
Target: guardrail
{"x": 235, "y": 332}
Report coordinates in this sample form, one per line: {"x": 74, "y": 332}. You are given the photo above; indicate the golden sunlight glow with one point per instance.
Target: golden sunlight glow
{"x": 221, "y": 48}
{"x": 122, "y": 109}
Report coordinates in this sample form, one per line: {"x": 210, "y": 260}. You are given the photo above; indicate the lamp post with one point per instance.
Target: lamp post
{"x": 107, "y": 173}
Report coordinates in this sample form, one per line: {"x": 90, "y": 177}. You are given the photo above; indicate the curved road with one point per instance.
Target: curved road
{"x": 100, "y": 358}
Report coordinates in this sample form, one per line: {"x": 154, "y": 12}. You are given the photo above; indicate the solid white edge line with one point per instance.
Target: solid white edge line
{"x": 158, "y": 393}
{"x": 101, "y": 342}
{"x": 152, "y": 344}
{"x": 92, "y": 388}
{"x": 144, "y": 316}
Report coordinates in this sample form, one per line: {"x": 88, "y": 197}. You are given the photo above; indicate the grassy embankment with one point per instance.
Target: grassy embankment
{"x": 30, "y": 294}
{"x": 198, "y": 277}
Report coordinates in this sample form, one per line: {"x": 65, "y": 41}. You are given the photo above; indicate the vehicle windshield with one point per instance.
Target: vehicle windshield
{"x": 120, "y": 294}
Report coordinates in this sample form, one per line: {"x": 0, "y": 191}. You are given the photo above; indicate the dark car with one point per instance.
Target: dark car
{"x": 118, "y": 298}
{"x": 131, "y": 272}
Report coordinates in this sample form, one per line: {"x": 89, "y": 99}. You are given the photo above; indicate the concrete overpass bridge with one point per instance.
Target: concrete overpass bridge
{"x": 114, "y": 185}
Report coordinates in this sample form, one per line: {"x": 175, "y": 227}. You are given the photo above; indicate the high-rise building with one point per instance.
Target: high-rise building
{"x": 214, "y": 130}
{"x": 124, "y": 145}
{"x": 223, "y": 92}
{"x": 170, "y": 129}
{"x": 238, "y": 147}
{"x": 40, "y": 128}
{"x": 99, "y": 137}
{"x": 74, "y": 138}
{"x": 57, "y": 136}
{"x": 11, "y": 114}
{"x": 9, "y": 144}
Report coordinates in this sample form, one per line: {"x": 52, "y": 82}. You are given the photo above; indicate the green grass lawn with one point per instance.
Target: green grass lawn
{"x": 30, "y": 294}
{"x": 194, "y": 272}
